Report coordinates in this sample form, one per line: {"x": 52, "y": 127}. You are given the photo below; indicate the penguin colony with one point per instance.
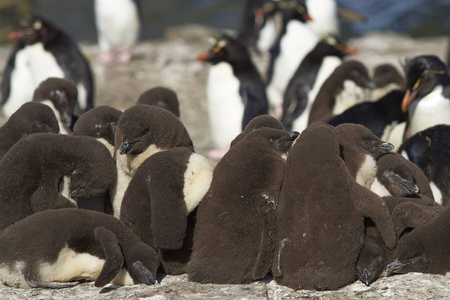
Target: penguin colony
{"x": 307, "y": 188}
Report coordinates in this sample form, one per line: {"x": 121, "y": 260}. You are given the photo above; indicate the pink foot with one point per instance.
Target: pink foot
{"x": 105, "y": 57}
{"x": 124, "y": 57}
{"x": 217, "y": 154}
{"x": 278, "y": 111}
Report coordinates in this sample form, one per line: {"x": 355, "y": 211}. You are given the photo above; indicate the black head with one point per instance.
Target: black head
{"x": 62, "y": 93}
{"x": 290, "y": 9}
{"x": 227, "y": 49}
{"x": 162, "y": 97}
{"x": 338, "y": 47}
{"x": 99, "y": 122}
{"x": 33, "y": 117}
{"x": 35, "y": 29}
{"x": 423, "y": 74}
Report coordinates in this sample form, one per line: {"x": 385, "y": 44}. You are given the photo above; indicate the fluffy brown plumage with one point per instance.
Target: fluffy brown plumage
{"x": 45, "y": 171}
{"x": 233, "y": 241}
{"x": 321, "y": 215}
{"x": 30, "y": 118}
{"x": 43, "y": 250}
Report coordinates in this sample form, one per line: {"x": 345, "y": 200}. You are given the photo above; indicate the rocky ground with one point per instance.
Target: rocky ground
{"x": 170, "y": 62}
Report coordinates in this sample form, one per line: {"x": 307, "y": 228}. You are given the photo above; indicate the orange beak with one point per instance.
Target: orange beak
{"x": 203, "y": 56}
{"x": 15, "y": 35}
{"x": 260, "y": 12}
{"x": 407, "y": 100}
{"x": 308, "y": 18}
{"x": 350, "y": 50}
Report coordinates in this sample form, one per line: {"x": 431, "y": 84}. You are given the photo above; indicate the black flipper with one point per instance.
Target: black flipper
{"x": 114, "y": 257}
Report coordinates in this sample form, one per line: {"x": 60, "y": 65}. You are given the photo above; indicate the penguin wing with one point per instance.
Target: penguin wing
{"x": 407, "y": 216}
{"x": 255, "y": 102}
{"x": 294, "y": 102}
{"x": 168, "y": 211}
{"x": 371, "y": 206}
{"x": 46, "y": 197}
{"x": 114, "y": 258}
{"x": 6, "y": 78}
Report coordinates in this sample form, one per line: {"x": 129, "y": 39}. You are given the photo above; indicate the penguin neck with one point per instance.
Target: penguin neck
{"x": 431, "y": 110}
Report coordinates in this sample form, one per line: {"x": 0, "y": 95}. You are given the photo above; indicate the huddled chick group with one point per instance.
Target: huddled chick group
{"x": 315, "y": 205}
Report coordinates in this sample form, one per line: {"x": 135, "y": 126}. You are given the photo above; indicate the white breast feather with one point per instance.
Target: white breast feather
{"x": 298, "y": 41}
{"x": 431, "y": 110}
{"x": 71, "y": 266}
{"x": 351, "y": 94}
{"x": 197, "y": 180}
{"x": 33, "y": 65}
{"x": 225, "y": 106}
{"x": 329, "y": 64}
{"x": 117, "y": 24}
{"x": 378, "y": 188}
{"x": 367, "y": 172}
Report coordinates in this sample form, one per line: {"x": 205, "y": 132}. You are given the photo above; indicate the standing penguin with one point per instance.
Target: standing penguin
{"x": 235, "y": 92}
{"x": 345, "y": 87}
{"x": 142, "y": 131}
{"x": 321, "y": 215}
{"x": 30, "y": 118}
{"x": 161, "y": 201}
{"x": 61, "y": 96}
{"x": 45, "y": 171}
{"x": 233, "y": 241}
{"x": 307, "y": 80}
{"x": 430, "y": 150}
{"x": 295, "y": 41}
{"x": 41, "y": 51}
{"x": 60, "y": 248}
{"x": 427, "y": 98}
{"x": 118, "y": 25}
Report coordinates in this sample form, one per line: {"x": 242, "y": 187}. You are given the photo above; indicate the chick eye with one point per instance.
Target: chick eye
{"x": 146, "y": 130}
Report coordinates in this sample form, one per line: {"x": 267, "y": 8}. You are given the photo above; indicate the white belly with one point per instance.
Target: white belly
{"x": 431, "y": 110}
{"x": 225, "y": 105}
{"x": 298, "y": 41}
{"x": 117, "y": 24}
{"x": 329, "y": 64}
{"x": 351, "y": 94}
{"x": 32, "y": 66}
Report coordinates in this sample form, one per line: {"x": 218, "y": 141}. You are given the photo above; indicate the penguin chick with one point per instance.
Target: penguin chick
{"x": 425, "y": 249}
{"x": 162, "y": 97}
{"x": 63, "y": 247}
{"x": 387, "y": 79}
{"x": 30, "y": 118}
{"x": 360, "y": 149}
{"x": 236, "y": 221}
{"x": 429, "y": 149}
{"x": 142, "y": 131}
{"x": 165, "y": 190}
{"x": 330, "y": 239}
{"x": 44, "y": 171}
{"x": 61, "y": 96}
{"x": 258, "y": 122}
{"x": 100, "y": 123}
{"x": 399, "y": 177}
{"x": 345, "y": 87}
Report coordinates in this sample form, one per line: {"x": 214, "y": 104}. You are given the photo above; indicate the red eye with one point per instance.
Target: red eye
{"x": 220, "y": 53}
{"x": 422, "y": 83}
